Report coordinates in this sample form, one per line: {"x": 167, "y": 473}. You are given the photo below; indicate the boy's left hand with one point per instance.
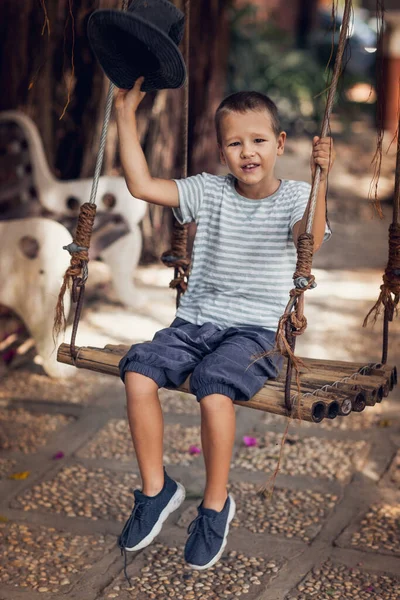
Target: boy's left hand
{"x": 323, "y": 154}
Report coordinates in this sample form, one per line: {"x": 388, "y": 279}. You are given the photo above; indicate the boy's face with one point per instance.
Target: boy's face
{"x": 249, "y": 146}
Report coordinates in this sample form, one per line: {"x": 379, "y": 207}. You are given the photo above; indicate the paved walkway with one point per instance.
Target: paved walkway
{"x": 330, "y": 529}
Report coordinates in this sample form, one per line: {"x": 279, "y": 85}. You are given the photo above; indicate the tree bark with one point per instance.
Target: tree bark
{"x": 49, "y": 72}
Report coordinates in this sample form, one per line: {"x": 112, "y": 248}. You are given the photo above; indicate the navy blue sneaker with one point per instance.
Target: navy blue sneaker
{"x": 148, "y": 515}
{"x": 208, "y": 533}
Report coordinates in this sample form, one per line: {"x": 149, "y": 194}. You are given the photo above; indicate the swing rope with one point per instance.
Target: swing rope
{"x": 177, "y": 255}
{"x": 390, "y": 289}
{"x": 77, "y": 273}
{"x": 293, "y": 321}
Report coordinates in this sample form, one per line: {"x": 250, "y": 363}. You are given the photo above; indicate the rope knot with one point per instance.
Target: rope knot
{"x": 298, "y": 322}
{"x": 177, "y": 257}
{"x": 77, "y": 272}
{"x": 390, "y": 289}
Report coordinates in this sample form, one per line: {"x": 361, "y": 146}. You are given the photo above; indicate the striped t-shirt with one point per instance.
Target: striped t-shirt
{"x": 243, "y": 256}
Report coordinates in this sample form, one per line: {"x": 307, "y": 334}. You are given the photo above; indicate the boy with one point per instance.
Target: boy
{"x": 244, "y": 256}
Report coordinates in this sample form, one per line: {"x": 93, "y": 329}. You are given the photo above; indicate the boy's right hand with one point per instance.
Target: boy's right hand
{"x": 138, "y": 178}
{"x": 129, "y": 100}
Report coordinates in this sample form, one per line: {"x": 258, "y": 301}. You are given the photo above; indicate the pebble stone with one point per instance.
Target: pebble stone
{"x": 114, "y": 442}
{"x": 6, "y": 467}
{"x": 291, "y": 513}
{"x": 178, "y": 440}
{"x": 43, "y": 557}
{"x": 312, "y": 456}
{"x": 77, "y": 491}
{"x": 165, "y": 575}
{"x": 369, "y": 417}
{"x": 76, "y": 389}
{"x": 379, "y": 530}
{"x": 23, "y": 431}
{"x": 179, "y": 403}
{"x": 340, "y": 582}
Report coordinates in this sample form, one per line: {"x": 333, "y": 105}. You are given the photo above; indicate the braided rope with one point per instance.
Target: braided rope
{"x": 390, "y": 289}
{"x": 177, "y": 255}
{"x": 303, "y": 279}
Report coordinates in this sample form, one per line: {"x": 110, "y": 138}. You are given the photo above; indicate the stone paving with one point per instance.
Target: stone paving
{"x": 330, "y": 527}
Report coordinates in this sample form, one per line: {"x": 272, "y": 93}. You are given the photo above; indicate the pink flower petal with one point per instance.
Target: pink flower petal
{"x": 58, "y": 455}
{"x": 249, "y": 441}
{"x": 194, "y": 450}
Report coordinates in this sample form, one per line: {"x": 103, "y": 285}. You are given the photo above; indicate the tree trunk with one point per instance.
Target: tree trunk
{"x": 208, "y": 62}
{"x": 49, "y": 72}
{"x": 207, "y": 75}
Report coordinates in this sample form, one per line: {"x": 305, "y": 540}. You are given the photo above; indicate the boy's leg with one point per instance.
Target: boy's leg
{"x": 145, "y": 368}
{"x": 217, "y": 438}
{"x": 160, "y": 495}
{"x": 228, "y": 373}
{"x": 209, "y": 531}
{"x": 166, "y": 360}
{"x": 147, "y": 429}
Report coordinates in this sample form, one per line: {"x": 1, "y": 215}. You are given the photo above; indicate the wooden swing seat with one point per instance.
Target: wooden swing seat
{"x": 327, "y": 388}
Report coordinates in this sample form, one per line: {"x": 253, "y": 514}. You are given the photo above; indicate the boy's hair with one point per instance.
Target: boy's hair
{"x": 242, "y": 102}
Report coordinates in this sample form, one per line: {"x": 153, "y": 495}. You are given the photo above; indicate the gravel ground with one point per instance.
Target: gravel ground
{"x": 178, "y": 440}
{"x": 290, "y": 513}
{"x": 44, "y": 559}
{"x": 316, "y": 457}
{"x": 167, "y": 576}
{"x": 76, "y": 389}
{"x": 6, "y": 467}
{"x": 179, "y": 403}
{"x": 380, "y": 529}
{"x": 338, "y": 581}
{"x": 114, "y": 442}
{"x": 23, "y": 431}
{"x": 78, "y": 491}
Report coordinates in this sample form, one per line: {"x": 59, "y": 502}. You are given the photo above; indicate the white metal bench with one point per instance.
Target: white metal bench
{"x": 29, "y": 181}
{"x": 32, "y": 267}
{"x": 32, "y": 259}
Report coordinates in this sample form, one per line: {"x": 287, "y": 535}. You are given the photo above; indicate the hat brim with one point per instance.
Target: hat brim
{"x": 128, "y": 47}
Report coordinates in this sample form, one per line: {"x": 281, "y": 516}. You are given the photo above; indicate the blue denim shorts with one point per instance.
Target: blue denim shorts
{"x": 219, "y": 361}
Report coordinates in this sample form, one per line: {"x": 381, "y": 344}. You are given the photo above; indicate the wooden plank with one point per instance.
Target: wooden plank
{"x": 313, "y": 404}
{"x": 311, "y": 408}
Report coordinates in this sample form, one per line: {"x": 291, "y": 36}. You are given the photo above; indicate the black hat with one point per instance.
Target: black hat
{"x": 143, "y": 40}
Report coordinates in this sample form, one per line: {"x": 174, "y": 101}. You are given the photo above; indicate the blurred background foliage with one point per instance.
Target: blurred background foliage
{"x": 265, "y": 58}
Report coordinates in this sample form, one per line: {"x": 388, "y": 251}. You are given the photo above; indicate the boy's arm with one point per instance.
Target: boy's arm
{"x": 323, "y": 154}
{"x": 138, "y": 178}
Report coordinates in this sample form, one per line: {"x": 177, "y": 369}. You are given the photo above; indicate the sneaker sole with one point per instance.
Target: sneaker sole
{"x": 232, "y": 510}
{"x": 172, "y": 505}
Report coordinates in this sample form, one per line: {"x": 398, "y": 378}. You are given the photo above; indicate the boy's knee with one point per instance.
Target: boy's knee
{"x": 215, "y": 402}
{"x": 136, "y": 383}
